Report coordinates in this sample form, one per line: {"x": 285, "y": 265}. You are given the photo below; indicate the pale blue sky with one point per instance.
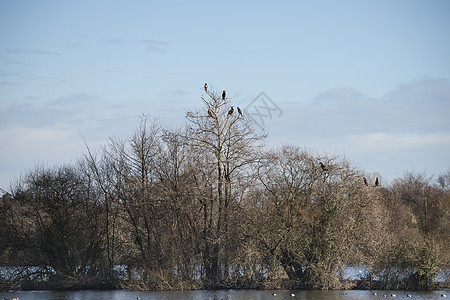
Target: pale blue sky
{"x": 364, "y": 79}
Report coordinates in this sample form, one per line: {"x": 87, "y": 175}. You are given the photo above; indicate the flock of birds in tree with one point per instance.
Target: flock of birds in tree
{"x": 231, "y": 111}
{"x": 377, "y": 181}
{"x": 224, "y": 95}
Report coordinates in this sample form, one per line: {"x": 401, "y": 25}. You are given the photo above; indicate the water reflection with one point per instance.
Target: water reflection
{"x": 220, "y": 294}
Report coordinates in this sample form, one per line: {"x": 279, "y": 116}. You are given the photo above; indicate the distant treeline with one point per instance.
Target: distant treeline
{"x": 209, "y": 206}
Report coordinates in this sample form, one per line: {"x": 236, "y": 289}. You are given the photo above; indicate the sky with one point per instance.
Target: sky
{"x": 365, "y": 80}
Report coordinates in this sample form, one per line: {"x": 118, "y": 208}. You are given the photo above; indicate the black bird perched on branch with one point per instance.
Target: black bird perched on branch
{"x": 210, "y": 114}
{"x": 365, "y": 181}
{"x": 239, "y": 111}
{"x": 206, "y": 87}
{"x": 230, "y": 112}
{"x": 323, "y": 166}
{"x": 223, "y": 95}
{"x": 377, "y": 182}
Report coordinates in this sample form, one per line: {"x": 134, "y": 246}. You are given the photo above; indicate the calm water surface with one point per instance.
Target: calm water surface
{"x": 221, "y": 294}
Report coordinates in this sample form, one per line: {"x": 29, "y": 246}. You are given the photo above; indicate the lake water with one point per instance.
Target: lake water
{"x": 219, "y": 294}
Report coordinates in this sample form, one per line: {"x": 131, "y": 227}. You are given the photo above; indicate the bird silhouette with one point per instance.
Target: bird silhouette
{"x": 377, "y": 182}
{"x": 230, "y": 112}
{"x": 223, "y": 95}
{"x": 239, "y": 111}
{"x": 323, "y": 166}
{"x": 210, "y": 114}
{"x": 206, "y": 87}
{"x": 365, "y": 181}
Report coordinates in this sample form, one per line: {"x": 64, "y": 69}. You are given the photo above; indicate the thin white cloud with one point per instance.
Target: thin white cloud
{"x": 23, "y": 148}
{"x": 150, "y": 44}
{"x": 421, "y": 90}
{"x": 390, "y": 143}
{"x": 154, "y": 45}
{"x": 112, "y": 41}
{"x": 30, "y": 51}
{"x": 417, "y": 107}
{"x": 337, "y": 96}
{"x": 77, "y": 111}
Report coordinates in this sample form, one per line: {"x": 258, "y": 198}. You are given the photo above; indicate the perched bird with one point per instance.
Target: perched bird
{"x": 292, "y": 295}
{"x": 375, "y": 293}
{"x": 444, "y": 295}
{"x": 230, "y": 112}
{"x": 377, "y": 182}
{"x": 274, "y": 294}
{"x": 206, "y": 87}
{"x": 223, "y": 95}
{"x": 239, "y": 111}
{"x": 365, "y": 181}
{"x": 210, "y": 114}
{"x": 323, "y": 166}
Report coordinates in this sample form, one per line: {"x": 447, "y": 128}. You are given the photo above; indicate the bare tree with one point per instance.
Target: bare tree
{"x": 135, "y": 160}
{"x": 229, "y": 142}
{"x": 427, "y": 206}
{"x": 310, "y": 216}
{"x": 99, "y": 171}
{"x": 206, "y": 206}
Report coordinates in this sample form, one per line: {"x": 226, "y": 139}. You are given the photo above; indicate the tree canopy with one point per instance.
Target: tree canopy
{"x": 209, "y": 206}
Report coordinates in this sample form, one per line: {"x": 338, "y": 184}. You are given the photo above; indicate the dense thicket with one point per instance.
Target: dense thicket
{"x": 207, "y": 206}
